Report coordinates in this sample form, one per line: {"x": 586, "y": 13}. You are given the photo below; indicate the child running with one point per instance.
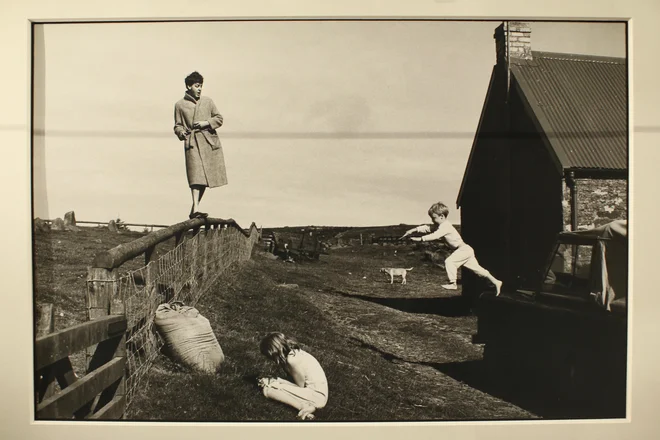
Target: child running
{"x": 462, "y": 255}
{"x": 309, "y": 390}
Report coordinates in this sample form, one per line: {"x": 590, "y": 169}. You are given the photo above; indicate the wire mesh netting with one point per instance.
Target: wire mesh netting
{"x": 184, "y": 274}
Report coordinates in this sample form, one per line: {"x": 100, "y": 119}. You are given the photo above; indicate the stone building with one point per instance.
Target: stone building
{"x": 550, "y": 154}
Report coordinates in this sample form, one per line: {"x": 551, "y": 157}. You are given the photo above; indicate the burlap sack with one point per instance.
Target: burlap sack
{"x": 188, "y": 337}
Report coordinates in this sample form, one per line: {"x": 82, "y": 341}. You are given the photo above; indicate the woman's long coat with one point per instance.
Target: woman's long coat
{"x": 205, "y": 162}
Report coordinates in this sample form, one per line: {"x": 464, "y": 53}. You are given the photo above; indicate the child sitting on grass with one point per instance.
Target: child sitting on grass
{"x": 463, "y": 254}
{"x": 309, "y": 391}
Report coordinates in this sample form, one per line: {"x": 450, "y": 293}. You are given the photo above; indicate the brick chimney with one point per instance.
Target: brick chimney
{"x": 513, "y": 40}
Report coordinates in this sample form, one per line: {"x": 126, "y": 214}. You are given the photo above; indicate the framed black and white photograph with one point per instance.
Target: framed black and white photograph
{"x": 406, "y": 220}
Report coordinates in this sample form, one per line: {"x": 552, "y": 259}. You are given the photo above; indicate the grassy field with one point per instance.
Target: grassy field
{"x": 391, "y": 352}
{"x": 61, "y": 259}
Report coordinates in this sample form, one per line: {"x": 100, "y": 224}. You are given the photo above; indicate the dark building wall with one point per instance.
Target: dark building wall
{"x": 536, "y": 194}
{"x": 485, "y": 198}
{"x": 600, "y": 201}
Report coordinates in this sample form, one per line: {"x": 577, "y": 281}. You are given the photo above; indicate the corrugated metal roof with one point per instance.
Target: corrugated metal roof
{"x": 581, "y": 104}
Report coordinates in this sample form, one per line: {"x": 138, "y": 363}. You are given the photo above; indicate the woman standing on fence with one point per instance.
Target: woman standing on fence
{"x": 195, "y": 122}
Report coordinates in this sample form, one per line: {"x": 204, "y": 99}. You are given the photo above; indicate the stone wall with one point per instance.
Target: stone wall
{"x": 600, "y": 201}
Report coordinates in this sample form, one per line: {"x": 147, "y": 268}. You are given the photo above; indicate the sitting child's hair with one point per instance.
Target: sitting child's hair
{"x": 194, "y": 78}
{"x": 276, "y": 346}
{"x": 439, "y": 209}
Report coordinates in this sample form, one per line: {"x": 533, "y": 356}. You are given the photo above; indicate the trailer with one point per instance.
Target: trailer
{"x": 298, "y": 246}
{"x": 565, "y": 336}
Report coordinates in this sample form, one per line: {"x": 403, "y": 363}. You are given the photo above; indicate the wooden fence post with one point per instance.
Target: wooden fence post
{"x": 103, "y": 299}
{"x": 194, "y": 251}
{"x": 214, "y": 249}
{"x": 101, "y": 292}
{"x": 205, "y": 255}
{"x": 178, "y": 269}
{"x": 118, "y": 307}
{"x": 222, "y": 238}
{"x": 46, "y": 319}
{"x": 177, "y": 238}
{"x": 149, "y": 275}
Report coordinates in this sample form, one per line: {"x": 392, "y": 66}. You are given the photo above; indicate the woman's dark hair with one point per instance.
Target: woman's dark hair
{"x": 194, "y": 78}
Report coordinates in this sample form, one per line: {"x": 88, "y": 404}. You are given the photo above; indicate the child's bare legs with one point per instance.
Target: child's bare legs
{"x": 464, "y": 256}
{"x": 474, "y": 266}
{"x": 305, "y": 400}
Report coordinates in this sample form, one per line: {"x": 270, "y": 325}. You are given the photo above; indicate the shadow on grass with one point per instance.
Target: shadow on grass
{"x": 252, "y": 379}
{"x": 452, "y": 306}
{"x": 530, "y": 393}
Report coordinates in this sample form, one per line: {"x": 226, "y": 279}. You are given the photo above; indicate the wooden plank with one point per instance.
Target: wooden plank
{"x": 66, "y": 402}
{"x": 117, "y": 308}
{"x": 114, "y": 410}
{"x": 109, "y": 394}
{"x": 55, "y": 346}
{"x": 121, "y": 388}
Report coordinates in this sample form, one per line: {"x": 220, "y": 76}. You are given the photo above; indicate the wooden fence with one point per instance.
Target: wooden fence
{"x": 197, "y": 241}
{"x": 100, "y": 394}
{"x": 387, "y": 239}
{"x": 120, "y": 224}
{"x": 104, "y": 391}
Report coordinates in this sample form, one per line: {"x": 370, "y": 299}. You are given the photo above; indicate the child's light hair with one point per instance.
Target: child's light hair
{"x": 277, "y": 347}
{"x": 439, "y": 209}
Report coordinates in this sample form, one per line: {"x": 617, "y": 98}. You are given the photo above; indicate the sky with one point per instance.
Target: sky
{"x": 348, "y": 123}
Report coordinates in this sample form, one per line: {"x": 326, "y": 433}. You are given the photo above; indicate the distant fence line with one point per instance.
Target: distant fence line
{"x": 203, "y": 249}
{"x": 142, "y": 225}
{"x": 366, "y": 239}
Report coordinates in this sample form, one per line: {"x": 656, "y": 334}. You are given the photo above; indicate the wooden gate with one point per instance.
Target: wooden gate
{"x": 99, "y": 394}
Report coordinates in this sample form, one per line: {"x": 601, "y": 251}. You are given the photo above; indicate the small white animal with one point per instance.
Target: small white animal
{"x": 392, "y": 272}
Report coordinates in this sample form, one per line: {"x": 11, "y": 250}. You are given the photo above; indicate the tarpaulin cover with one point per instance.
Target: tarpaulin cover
{"x": 609, "y": 262}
